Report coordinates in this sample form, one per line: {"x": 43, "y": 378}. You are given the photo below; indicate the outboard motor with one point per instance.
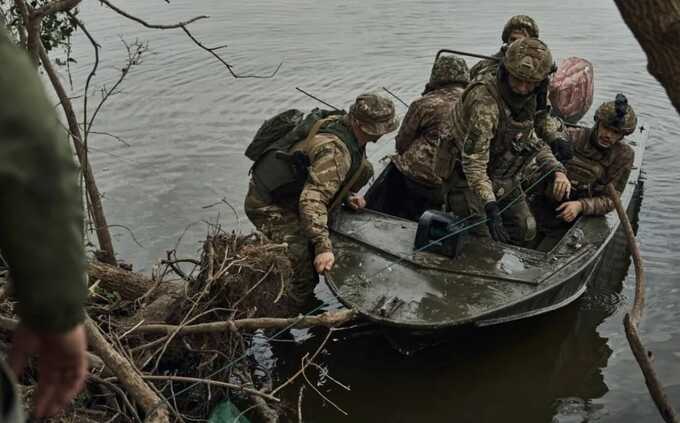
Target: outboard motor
{"x": 434, "y": 225}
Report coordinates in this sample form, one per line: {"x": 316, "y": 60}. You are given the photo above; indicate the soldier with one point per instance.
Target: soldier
{"x": 600, "y": 158}
{"x": 424, "y": 139}
{"x": 41, "y": 240}
{"x": 337, "y": 166}
{"x": 549, "y": 128}
{"x": 493, "y": 130}
{"x": 516, "y": 28}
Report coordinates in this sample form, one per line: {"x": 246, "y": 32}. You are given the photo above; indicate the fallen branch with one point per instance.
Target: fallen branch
{"x": 632, "y": 319}
{"x": 129, "y": 285}
{"x": 209, "y": 382}
{"x": 153, "y": 406}
{"x": 328, "y": 319}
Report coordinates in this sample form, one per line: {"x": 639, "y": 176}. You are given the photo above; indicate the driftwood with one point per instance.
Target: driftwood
{"x": 632, "y": 319}
{"x": 129, "y": 285}
{"x": 328, "y": 319}
{"x": 153, "y": 406}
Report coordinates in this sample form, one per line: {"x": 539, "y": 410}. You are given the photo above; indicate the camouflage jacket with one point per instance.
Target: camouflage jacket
{"x": 485, "y": 67}
{"x": 330, "y": 164}
{"x": 481, "y": 124}
{"x": 41, "y": 217}
{"x": 424, "y": 140}
{"x": 592, "y": 168}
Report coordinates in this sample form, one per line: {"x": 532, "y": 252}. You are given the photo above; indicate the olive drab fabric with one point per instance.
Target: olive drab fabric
{"x": 520, "y": 23}
{"x": 617, "y": 114}
{"x": 41, "y": 215}
{"x": 273, "y": 130}
{"x": 593, "y": 167}
{"x": 528, "y": 59}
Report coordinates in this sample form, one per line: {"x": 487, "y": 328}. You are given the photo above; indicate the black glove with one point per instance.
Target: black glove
{"x": 495, "y": 222}
{"x": 562, "y": 149}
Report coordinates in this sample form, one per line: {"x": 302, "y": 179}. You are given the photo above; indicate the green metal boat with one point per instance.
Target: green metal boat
{"x": 378, "y": 272}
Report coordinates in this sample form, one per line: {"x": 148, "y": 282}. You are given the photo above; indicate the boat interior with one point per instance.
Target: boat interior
{"x": 385, "y": 196}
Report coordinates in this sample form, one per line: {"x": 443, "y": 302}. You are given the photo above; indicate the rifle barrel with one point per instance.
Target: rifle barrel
{"x": 316, "y": 98}
{"x": 395, "y": 96}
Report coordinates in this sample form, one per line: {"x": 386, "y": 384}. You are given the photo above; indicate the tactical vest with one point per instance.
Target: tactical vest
{"x": 514, "y": 144}
{"x": 586, "y": 174}
{"x": 279, "y": 177}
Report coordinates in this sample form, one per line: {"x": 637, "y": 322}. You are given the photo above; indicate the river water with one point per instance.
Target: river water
{"x": 187, "y": 123}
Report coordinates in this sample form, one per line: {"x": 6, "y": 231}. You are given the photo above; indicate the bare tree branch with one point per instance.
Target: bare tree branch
{"x": 183, "y": 26}
{"x": 632, "y": 319}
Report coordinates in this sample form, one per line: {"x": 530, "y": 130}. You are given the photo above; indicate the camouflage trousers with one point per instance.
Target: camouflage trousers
{"x": 282, "y": 225}
{"x": 518, "y": 219}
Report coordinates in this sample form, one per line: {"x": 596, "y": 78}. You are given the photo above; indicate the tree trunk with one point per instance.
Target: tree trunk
{"x": 656, "y": 26}
{"x": 33, "y": 22}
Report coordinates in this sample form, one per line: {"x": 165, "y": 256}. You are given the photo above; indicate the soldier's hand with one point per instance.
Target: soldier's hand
{"x": 356, "y": 201}
{"x": 62, "y": 365}
{"x": 569, "y": 210}
{"x": 561, "y": 186}
{"x": 495, "y": 223}
{"x": 324, "y": 262}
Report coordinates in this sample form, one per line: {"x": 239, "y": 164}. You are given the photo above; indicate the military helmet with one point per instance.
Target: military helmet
{"x": 617, "y": 114}
{"x": 528, "y": 59}
{"x": 519, "y": 23}
{"x": 374, "y": 114}
{"x": 447, "y": 69}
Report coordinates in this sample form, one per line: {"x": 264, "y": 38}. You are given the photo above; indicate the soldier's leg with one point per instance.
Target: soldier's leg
{"x": 463, "y": 203}
{"x": 518, "y": 219}
{"x": 282, "y": 225}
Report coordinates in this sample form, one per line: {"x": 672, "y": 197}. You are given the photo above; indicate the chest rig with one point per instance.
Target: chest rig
{"x": 586, "y": 172}
{"x": 515, "y": 143}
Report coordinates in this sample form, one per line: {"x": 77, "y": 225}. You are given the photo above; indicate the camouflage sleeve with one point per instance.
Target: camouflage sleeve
{"x": 618, "y": 174}
{"x": 481, "y": 68}
{"x": 483, "y": 118}
{"x": 331, "y": 162}
{"x": 549, "y": 128}
{"x": 41, "y": 215}
{"x": 546, "y": 160}
{"x": 409, "y": 128}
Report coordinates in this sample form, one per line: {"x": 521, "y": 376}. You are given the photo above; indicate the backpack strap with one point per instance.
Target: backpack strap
{"x": 345, "y": 189}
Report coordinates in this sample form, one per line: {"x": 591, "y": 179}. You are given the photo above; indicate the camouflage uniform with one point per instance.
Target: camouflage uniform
{"x": 425, "y": 156}
{"x": 302, "y": 221}
{"x": 548, "y": 127}
{"x": 592, "y": 168}
{"x": 495, "y": 140}
{"x": 41, "y": 217}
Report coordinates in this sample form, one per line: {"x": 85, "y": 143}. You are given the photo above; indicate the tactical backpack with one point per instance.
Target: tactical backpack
{"x": 278, "y": 172}
{"x": 282, "y": 131}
